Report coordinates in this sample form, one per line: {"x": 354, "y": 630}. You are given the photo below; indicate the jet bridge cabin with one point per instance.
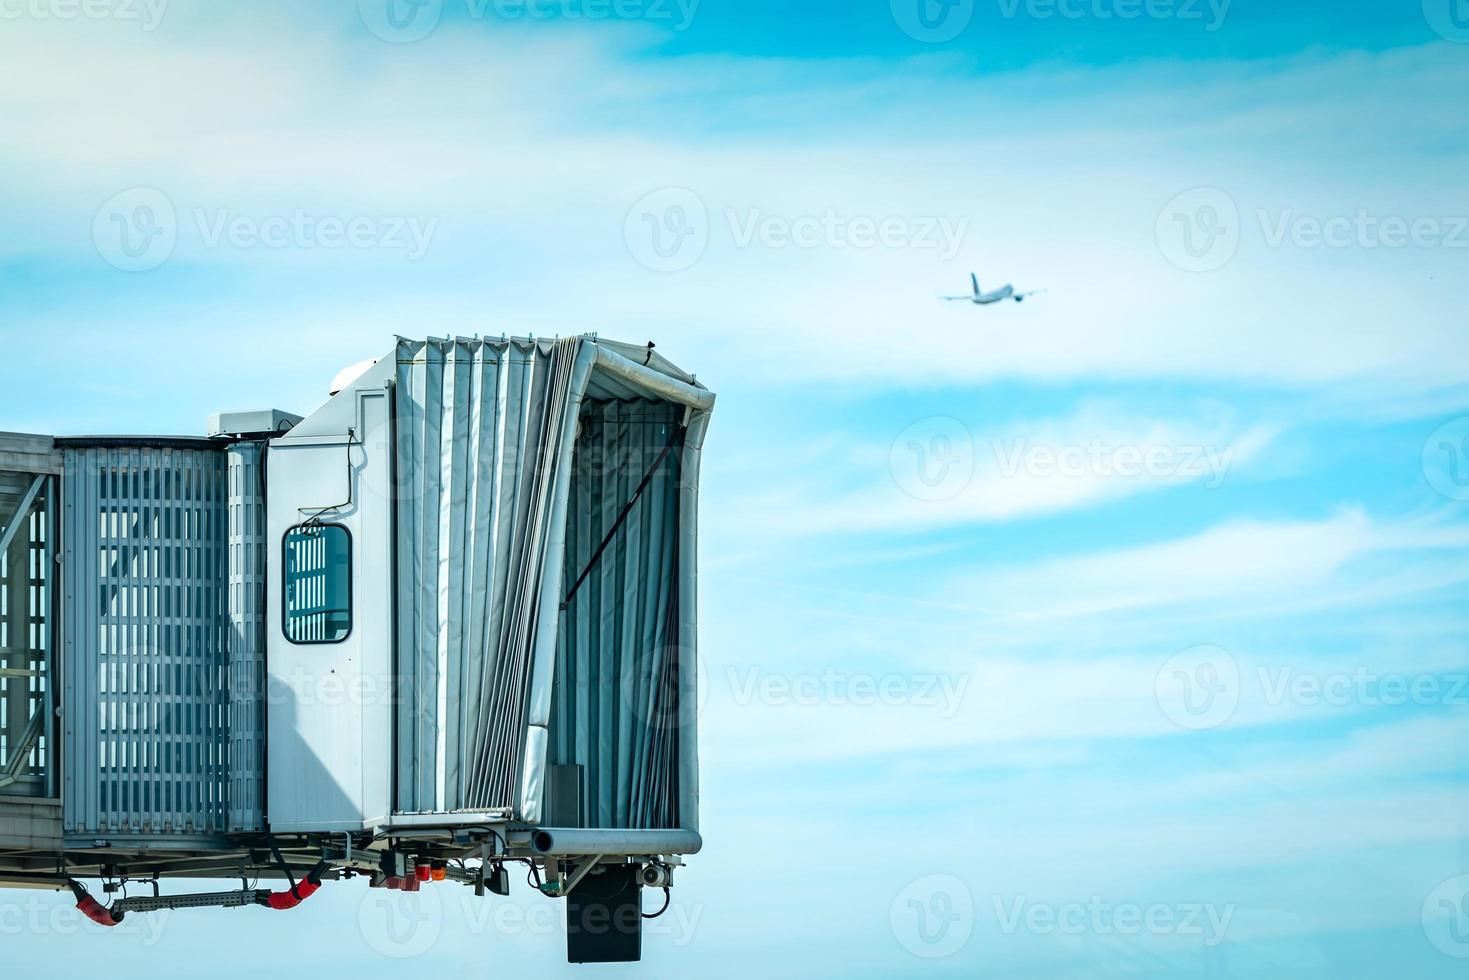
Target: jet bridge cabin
{"x": 444, "y": 623}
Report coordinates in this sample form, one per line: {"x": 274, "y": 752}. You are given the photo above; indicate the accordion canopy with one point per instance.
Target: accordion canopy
{"x": 546, "y": 533}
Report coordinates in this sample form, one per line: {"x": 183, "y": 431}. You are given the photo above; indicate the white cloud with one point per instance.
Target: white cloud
{"x": 1227, "y": 571}
{"x": 941, "y": 472}
{"x": 530, "y": 149}
{"x": 1026, "y": 657}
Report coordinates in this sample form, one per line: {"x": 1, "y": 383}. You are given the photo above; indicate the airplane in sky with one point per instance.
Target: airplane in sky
{"x": 981, "y": 298}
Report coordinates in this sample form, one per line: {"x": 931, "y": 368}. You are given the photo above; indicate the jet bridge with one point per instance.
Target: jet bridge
{"x": 443, "y": 623}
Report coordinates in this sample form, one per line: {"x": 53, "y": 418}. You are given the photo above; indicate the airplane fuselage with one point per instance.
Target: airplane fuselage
{"x": 981, "y": 298}
{"x": 994, "y": 296}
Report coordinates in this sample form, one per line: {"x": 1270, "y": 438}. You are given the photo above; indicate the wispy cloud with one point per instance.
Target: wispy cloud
{"x": 1110, "y": 146}
{"x": 940, "y": 472}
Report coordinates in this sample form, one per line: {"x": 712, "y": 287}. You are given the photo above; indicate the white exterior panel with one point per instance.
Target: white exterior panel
{"x": 330, "y": 705}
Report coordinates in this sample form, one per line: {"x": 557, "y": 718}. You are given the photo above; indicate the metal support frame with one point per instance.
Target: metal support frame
{"x": 21, "y": 750}
{"x": 25, "y": 739}
{"x": 205, "y": 900}
{"x": 561, "y": 888}
{"x": 16, "y": 519}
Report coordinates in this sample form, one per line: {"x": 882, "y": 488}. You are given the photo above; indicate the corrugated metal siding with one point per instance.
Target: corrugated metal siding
{"x": 148, "y": 697}
{"x": 495, "y": 523}
{"x": 246, "y": 638}
{"x": 481, "y": 429}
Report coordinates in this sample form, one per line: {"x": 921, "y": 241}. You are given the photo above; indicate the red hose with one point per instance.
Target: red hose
{"x": 304, "y": 889}
{"x": 93, "y": 909}
{"x": 280, "y": 901}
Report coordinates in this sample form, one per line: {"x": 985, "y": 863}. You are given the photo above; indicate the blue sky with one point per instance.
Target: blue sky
{"x": 1226, "y": 449}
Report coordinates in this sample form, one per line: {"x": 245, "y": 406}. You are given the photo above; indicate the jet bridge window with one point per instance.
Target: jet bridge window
{"x": 318, "y": 583}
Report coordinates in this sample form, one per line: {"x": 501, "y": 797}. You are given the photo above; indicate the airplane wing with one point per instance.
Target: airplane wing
{"x": 1034, "y": 292}
{"x": 957, "y": 299}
